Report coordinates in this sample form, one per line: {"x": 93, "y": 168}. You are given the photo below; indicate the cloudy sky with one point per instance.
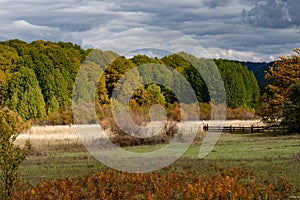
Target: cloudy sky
{"x": 257, "y": 30}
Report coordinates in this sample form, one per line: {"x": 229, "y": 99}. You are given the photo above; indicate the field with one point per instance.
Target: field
{"x": 270, "y": 156}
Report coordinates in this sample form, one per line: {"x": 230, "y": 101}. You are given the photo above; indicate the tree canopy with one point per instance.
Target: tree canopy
{"x": 37, "y": 79}
{"x": 282, "y": 99}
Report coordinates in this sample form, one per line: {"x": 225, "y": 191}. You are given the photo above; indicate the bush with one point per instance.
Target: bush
{"x": 230, "y": 183}
{"x": 122, "y": 139}
{"x": 127, "y": 140}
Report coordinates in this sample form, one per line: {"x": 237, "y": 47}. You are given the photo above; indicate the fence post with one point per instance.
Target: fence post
{"x": 230, "y": 128}
{"x": 251, "y": 128}
{"x": 205, "y": 127}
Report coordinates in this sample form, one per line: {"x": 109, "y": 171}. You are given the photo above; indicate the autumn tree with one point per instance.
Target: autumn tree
{"x": 37, "y": 79}
{"x": 115, "y": 71}
{"x": 282, "y": 95}
{"x": 8, "y": 62}
{"x": 11, "y": 156}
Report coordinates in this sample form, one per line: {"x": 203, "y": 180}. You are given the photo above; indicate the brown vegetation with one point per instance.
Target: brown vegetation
{"x": 230, "y": 183}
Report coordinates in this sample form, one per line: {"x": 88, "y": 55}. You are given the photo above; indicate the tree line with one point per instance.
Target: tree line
{"x": 37, "y": 79}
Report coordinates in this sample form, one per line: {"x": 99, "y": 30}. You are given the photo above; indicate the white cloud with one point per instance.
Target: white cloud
{"x": 238, "y": 55}
{"x": 25, "y": 30}
{"x": 22, "y": 24}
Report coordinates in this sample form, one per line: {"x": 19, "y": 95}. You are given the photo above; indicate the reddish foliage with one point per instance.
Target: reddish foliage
{"x": 232, "y": 183}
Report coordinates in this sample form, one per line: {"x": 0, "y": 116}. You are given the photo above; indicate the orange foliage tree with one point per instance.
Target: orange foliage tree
{"x": 282, "y": 77}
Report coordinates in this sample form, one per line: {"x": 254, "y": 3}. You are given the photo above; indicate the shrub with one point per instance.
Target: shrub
{"x": 230, "y": 183}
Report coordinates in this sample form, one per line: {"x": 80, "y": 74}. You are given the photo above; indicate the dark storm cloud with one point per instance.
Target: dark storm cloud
{"x": 216, "y": 25}
{"x": 274, "y": 14}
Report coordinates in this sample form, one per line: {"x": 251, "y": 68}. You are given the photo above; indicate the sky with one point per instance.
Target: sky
{"x": 257, "y": 30}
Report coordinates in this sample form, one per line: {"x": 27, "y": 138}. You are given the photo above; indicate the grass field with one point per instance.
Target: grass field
{"x": 274, "y": 156}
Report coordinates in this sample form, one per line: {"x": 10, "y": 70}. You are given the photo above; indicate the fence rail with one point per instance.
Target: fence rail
{"x": 245, "y": 129}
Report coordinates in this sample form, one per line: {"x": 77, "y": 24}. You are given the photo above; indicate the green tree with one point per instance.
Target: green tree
{"x": 127, "y": 85}
{"x": 241, "y": 86}
{"x": 96, "y": 61}
{"x": 291, "y": 114}
{"x": 252, "y": 88}
{"x": 53, "y": 105}
{"x": 51, "y": 80}
{"x": 55, "y": 65}
{"x": 233, "y": 83}
{"x": 11, "y": 156}
{"x": 8, "y": 62}
{"x": 139, "y": 60}
{"x": 101, "y": 58}
{"x": 155, "y": 95}
{"x": 84, "y": 86}
{"x": 115, "y": 71}
{"x": 190, "y": 73}
{"x": 23, "y": 95}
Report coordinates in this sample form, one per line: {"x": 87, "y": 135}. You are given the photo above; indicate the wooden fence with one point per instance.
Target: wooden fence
{"x": 246, "y": 129}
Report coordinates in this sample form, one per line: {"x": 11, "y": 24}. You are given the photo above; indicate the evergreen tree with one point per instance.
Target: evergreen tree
{"x": 53, "y": 105}
{"x": 84, "y": 86}
{"x": 23, "y": 95}
{"x": 241, "y": 86}
{"x": 190, "y": 73}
